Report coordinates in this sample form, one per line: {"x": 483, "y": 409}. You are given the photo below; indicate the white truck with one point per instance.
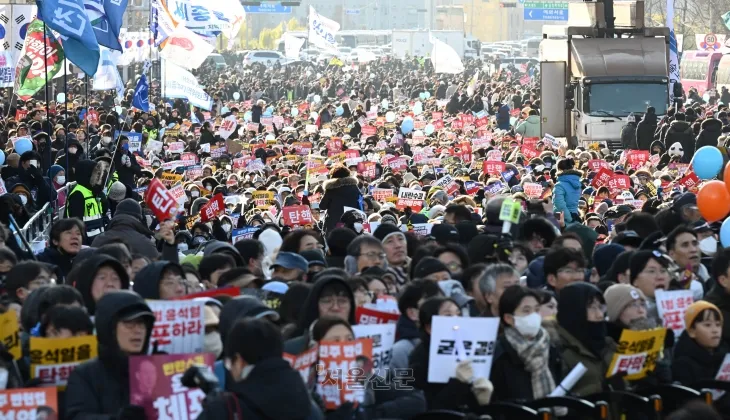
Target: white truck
{"x": 590, "y": 83}
{"x": 416, "y": 43}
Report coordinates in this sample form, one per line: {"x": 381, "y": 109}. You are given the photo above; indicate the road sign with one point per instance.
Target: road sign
{"x": 352, "y": 11}
{"x": 546, "y": 14}
{"x": 273, "y": 8}
{"x": 532, "y": 4}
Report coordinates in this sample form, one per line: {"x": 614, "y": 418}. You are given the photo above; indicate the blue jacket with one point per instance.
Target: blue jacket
{"x": 566, "y": 194}
{"x": 503, "y": 117}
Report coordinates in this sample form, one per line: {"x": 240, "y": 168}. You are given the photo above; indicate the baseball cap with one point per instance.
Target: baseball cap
{"x": 137, "y": 312}
{"x": 291, "y": 261}
{"x": 628, "y": 237}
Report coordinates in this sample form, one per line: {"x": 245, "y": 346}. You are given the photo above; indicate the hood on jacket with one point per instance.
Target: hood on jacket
{"x": 220, "y": 247}
{"x": 649, "y": 118}
{"x": 712, "y": 124}
{"x": 126, "y": 222}
{"x": 241, "y": 307}
{"x": 571, "y": 177}
{"x": 681, "y": 127}
{"x": 310, "y": 309}
{"x": 112, "y": 307}
{"x": 82, "y": 277}
{"x": 147, "y": 280}
{"x": 339, "y": 183}
{"x": 536, "y": 274}
{"x": 84, "y": 171}
{"x": 573, "y": 302}
{"x": 658, "y": 143}
{"x": 533, "y": 119}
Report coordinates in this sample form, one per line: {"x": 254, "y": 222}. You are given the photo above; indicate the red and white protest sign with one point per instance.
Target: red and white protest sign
{"x": 155, "y": 384}
{"x": 408, "y": 197}
{"x": 212, "y": 208}
{"x": 457, "y": 125}
{"x": 602, "y": 178}
{"x": 494, "y": 155}
{"x": 296, "y": 216}
{"x": 381, "y": 194}
{"x": 178, "y": 326}
{"x": 302, "y": 148}
{"x": 481, "y": 122}
{"x": 20, "y": 114}
{"x": 398, "y": 163}
{"x": 619, "y": 182}
{"x": 690, "y": 182}
{"x": 637, "y": 158}
{"x": 368, "y": 130}
{"x": 438, "y": 125}
{"x": 596, "y": 164}
{"x": 436, "y": 116}
{"x": 671, "y": 305}
{"x": 448, "y": 184}
{"x": 176, "y": 147}
{"x": 178, "y": 193}
{"x": 493, "y": 167}
{"x": 303, "y": 363}
{"x": 529, "y": 153}
{"x": 160, "y": 201}
{"x": 532, "y": 190}
{"x": 92, "y": 117}
{"x": 340, "y": 375}
{"x": 24, "y": 403}
{"x": 367, "y": 169}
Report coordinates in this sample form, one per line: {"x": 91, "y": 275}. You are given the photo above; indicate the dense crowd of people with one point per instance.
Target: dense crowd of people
{"x": 380, "y": 186}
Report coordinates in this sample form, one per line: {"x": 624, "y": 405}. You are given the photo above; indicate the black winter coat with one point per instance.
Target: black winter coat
{"x": 55, "y": 256}
{"x": 720, "y": 298}
{"x": 338, "y": 193}
{"x": 136, "y": 235}
{"x": 628, "y": 136}
{"x": 681, "y": 132}
{"x": 711, "y": 130}
{"x": 693, "y": 363}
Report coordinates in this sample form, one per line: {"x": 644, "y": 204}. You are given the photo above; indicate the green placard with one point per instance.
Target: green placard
{"x": 510, "y": 211}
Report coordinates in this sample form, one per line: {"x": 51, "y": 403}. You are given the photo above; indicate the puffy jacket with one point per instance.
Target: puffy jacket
{"x": 693, "y": 363}
{"x": 567, "y": 193}
{"x": 645, "y": 131}
{"x": 99, "y": 388}
{"x": 681, "y": 131}
{"x": 628, "y": 136}
{"x": 82, "y": 277}
{"x": 529, "y": 127}
{"x": 503, "y": 117}
{"x": 711, "y": 130}
{"x": 134, "y": 233}
{"x": 338, "y": 193}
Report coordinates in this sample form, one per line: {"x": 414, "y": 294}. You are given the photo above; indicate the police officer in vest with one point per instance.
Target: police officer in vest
{"x": 86, "y": 200}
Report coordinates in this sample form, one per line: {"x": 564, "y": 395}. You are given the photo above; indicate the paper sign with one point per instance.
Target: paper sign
{"x": 637, "y": 158}
{"x": 29, "y": 403}
{"x": 245, "y": 232}
{"x": 296, "y": 216}
{"x": 381, "y": 194}
{"x": 602, "y": 178}
{"x": 448, "y": 184}
{"x": 228, "y": 126}
{"x": 454, "y": 339}
{"x": 619, "y": 182}
{"x": 342, "y": 370}
{"x": 10, "y": 333}
{"x": 176, "y": 147}
{"x": 154, "y": 384}
{"x": 212, "y": 208}
{"x": 304, "y": 364}
{"x": 408, "y": 197}
{"x": 671, "y": 305}
{"x": 367, "y": 316}
{"x": 493, "y": 167}
{"x": 178, "y": 326}
{"x": 20, "y": 114}
{"x": 383, "y": 338}
{"x": 596, "y": 164}
{"x": 494, "y": 155}
{"x": 53, "y": 359}
{"x": 690, "y": 182}
{"x": 637, "y": 353}
{"x": 367, "y": 169}
{"x": 160, "y": 201}
{"x": 262, "y": 199}
{"x": 368, "y": 130}
{"x": 532, "y": 190}
{"x": 398, "y": 163}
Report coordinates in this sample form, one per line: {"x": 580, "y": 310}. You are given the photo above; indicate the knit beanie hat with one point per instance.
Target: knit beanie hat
{"x": 55, "y": 169}
{"x": 386, "y": 230}
{"x": 618, "y": 297}
{"x": 117, "y": 191}
{"x": 604, "y": 256}
{"x": 129, "y": 207}
{"x": 695, "y": 309}
{"x": 427, "y": 266}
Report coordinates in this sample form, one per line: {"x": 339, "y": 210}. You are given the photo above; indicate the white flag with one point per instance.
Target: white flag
{"x": 292, "y": 45}
{"x": 444, "y": 58}
{"x": 186, "y": 48}
{"x": 472, "y": 84}
{"x": 673, "y": 52}
{"x": 22, "y": 16}
{"x": 322, "y": 31}
{"x": 180, "y": 83}
{"x": 106, "y": 74}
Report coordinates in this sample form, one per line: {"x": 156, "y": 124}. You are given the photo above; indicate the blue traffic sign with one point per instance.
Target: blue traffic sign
{"x": 274, "y": 8}
{"x": 546, "y": 14}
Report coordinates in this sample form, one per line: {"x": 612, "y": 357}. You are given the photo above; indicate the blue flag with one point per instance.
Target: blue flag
{"x": 106, "y": 19}
{"x": 69, "y": 19}
{"x": 141, "y": 95}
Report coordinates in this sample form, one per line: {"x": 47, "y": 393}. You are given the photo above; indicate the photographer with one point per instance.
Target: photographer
{"x": 266, "y": 387}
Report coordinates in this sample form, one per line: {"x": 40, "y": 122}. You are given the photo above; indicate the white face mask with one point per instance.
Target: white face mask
{"x": 61, "y": 180}
{"x": 23, "y": 199}
{"x": 72, "y": 150}
{"x": 194, "y": 194}
{"x": 528, "y": 325}
{"x": 358, "y": 227}
{"x": 212, "y": 343}
{"x": 34, "y": 163}
{"x": 708, "y": 246}
{"x": 226, "y": 227}
{"x": 208, "y": 187}
{"x": 106, "y": 140}
{"x": 182, "y": 247}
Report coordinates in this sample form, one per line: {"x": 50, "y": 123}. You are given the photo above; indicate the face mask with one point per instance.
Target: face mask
{"x": 34, "y": 163}
{"x": 528, "y": 325}
{"x": 212, "y": 343}
{"x": 182, "y": 247}
{"x": 106, "y": 140}
{"x": 708, "y": 246}
{"x": 125, "y": 147}
{"x": 358, "y": 227}
{"x": 23, "y": 199}
{"x": 61, "y": 180}
{"x": 72, "y": 150}
{"x": 246, "y": 371}
{"x": 194, "y": 194}
{"x": 208, "y": 187}
{"x": 226, "y": 227}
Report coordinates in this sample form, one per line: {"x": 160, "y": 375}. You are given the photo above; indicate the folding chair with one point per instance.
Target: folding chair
{"x": 576, "y": 406}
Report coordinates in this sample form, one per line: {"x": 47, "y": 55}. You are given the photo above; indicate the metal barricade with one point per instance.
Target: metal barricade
{"x": 37, "y": 231}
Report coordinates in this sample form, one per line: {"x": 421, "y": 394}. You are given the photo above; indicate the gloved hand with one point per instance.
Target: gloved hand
{"x": 465, "y": 371}
{"x": 131, "y": 412}
{"x": 482, "y": 389}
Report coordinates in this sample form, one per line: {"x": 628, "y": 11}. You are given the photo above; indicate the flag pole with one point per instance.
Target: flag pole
{"x": 65, "y": 105}
{"x": 88, "y": 108}
{"x": 47, "y": 124}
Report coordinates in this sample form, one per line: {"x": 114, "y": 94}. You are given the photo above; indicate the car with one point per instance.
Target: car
{"x": 217, "y": 60}
{"x": 265, "y": 57}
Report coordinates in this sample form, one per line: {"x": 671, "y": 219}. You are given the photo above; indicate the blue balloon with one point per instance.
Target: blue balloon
{"x": 427, "y": 94}
{"x": 247, "y": 116}
{"x": 339, "y": 111}
{"x": 725, "y": 233}
{"x": 407, "y": 125}
{"x": 2, "y": 157}
{"x": 23, "y": 145}
{"x": 707, "y": 162}
{"x": 422, "y": 95}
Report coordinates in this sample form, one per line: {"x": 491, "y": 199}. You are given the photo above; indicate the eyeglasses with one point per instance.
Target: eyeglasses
{"x": 173, "y": 282}
{"x": 656, "y": 272}
{"x": 572, "y": 271}
{"x": 330, "y": 301}
{"x": 453, "y": 266}
{"x": 373, "y": 255}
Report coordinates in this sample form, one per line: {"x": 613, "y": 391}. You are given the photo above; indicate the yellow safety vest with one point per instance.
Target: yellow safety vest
{"x": 92, "y": 210}
{"x": 112, "y": 179}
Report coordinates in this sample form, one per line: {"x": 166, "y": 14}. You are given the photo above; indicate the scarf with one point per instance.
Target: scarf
{"x": 534, "y": 354}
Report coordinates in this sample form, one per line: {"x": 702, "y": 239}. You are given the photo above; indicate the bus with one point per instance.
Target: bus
{"x": 699, "y": 70}
{"x": 723, "y": 73}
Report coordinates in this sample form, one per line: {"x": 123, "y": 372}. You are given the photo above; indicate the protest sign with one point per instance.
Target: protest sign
{"x": 398, "y": 163}
{"x": 532, "y": 190}
{"x": 302, "y": 148}
{"x": 263, "y": 199}
{"x": 448, "y": 184}
{"x": 380, "y": 194}
{"x": 408, "y": 197}
{"x": 690, "y": 182}
{"x": 20, "y": 114}
{"x": 296, "y": 216}
{"x": 304, "y": 364}
{"x": 671, "y": 305}
{"x": 596, "y": 164}
{"x": 368, "y": 316}
{"x": 367, "y": 169}
{"x": 155, "y": 384}
{"x": 10, "y": 333}
{"x": 619, "y": 182}
{"x": 178, "y": 326}
{"x": 493, "y": 167}
{"x": 245, "y": 232}
{"x": 454, "y": 339}
{"x": 383, "y": 338}
{"x": 637, "y": 353}
{"x": 637, "y": 158}
{"x": 602, "y": 178}
{"x": 29, "y": 404}
{"x": 212, "y": 208}
{"x": 176, "y": 147}
{"x": 169, "y": 179}
{"x": 159, "y": 200}
{"x": 53, "y": 359}
{"x": 342, "y": 370}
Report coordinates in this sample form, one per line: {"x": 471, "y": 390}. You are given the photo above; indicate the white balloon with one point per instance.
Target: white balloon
{"x": 390, "y": 116}
{"x": 236, "y": 96}
{"x": 317, "y": 99}
{"x": 418, "y": 108}
{"x": 429, "y": 129}
{"x": 384, "y": 104}
{"x": 417, "y": 133}
{"x": 61, "y": 97}
{"x": 314, "y": 116}
{"x": 294, "y": 112}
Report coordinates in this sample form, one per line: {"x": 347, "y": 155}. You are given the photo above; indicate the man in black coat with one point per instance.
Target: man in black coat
{"x": 340, "y": 191}
{"x": 710, "y": 131}
{"x": 680, "y": 131}
{"x": 99, "y": 388}
{"x": 646, "y": 128}
{"x": 29, "y": 174}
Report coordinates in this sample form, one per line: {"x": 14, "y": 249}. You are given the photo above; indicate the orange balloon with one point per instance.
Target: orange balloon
{"x": 713, "y": 201}
{"x": 726, "y": 176}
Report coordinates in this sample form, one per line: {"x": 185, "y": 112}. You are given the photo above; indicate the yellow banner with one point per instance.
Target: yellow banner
{"x": 53, "y": 359}
{"x": 170, "y": 179}
{"x": 10, "y": 333}
{"x": 263, "y": 199}
{"x": 180, "y": 366}
{"x": 637, "y": 353}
